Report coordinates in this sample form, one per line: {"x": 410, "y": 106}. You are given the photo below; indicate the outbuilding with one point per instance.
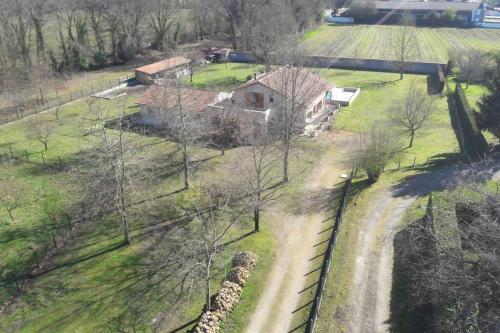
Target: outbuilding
{"x": 169, "y": 68}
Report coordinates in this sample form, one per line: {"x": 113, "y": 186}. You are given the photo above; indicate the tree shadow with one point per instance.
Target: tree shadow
{"x": 319, "y": 201}
{"x": 451, "y": 176}
{"x": 407, "y": 314}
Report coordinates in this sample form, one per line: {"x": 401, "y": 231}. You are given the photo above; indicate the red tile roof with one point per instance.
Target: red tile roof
{"x": 192, "y": 100}
{"x": 163, "y": 65}
{"x": 296, "y": 82}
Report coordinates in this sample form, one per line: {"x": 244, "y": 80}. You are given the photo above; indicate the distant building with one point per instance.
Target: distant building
{"x": 169, "y": 68}
{"x": 471, "y": 11}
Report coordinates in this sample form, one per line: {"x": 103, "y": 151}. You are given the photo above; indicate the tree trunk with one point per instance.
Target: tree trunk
{"x": 412, "y": 137}
{"x": 233, "y": 35}
{"x": 186, "y": 171}
{"x": 285, "y": 164}
{"x": 46, "y": 146}
{"x": 126, "y": 234}
{"x": 208, "y": 301}
{"x": 256, "y": 218}
{"x": 10, "y": 215}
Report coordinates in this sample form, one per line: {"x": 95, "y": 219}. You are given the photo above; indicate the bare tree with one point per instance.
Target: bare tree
{"x": 403, "y": 42}
{"x": 11, "y": 196}
{"x": 230, "y": 9}
{"x": 41, "y": 131}
{"x": 271, "y": 29}
{"x": 374, "y": 150}
{"x": 162, "y": 19}
{"x": 38, "y": 10}
{"x": 214, "y": 217}
{"x": 225, "y": 129}
{"x": 472, "y": 64}
{"x": 260, "y": 171}
{"x": 110, "y": 182}
{"x": 95, "y": 13}
{"x": 295, "y": 87}
{"x": 173, "y": 101}
{"x": 413, "y": 110}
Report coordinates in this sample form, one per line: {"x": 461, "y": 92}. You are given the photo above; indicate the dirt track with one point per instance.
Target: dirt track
{"x": 372, "y": 283}
{"x": 297, "y": 233}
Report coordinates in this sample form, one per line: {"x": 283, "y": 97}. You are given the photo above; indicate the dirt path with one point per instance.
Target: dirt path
{"x": 297, "y": 234}
{"x": 372, "y": 282}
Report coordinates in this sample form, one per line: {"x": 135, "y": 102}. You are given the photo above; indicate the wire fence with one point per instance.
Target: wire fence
{"x": 41, "y": 241}
{"x": 325, "y": 268}
{"x": 47, "y": 99}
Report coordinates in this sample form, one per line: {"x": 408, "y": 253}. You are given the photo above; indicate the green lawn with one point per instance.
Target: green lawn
{"x": 378, "y": 92}
{"x": 97, "y": 285}
{"x": 223, "y": 76}
{"x": 374, "y": 41}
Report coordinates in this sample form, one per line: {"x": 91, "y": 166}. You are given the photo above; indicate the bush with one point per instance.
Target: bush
{"x": 375, "y": 150}
{"x": 100, "y": 59}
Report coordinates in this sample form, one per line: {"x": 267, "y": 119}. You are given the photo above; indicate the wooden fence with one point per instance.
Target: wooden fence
{"x": 47, "y": 100}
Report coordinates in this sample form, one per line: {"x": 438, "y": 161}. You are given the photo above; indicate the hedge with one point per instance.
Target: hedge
{"x": 475, "y": 144}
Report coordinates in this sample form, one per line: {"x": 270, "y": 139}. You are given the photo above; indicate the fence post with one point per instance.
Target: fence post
{"x": 60, "y": 162}
{"x": 54, "y": 239}
{"x": 399, "y": 164}
{"x": 36, "y": 258}
{"x": 69, "y": 222}
{"x": 15, "y": 282}
{"x": 414, "y": 161}
{"x": 11, "y": 153}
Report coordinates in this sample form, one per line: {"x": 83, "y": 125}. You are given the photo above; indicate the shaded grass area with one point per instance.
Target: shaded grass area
{"x": 374, "y": 41}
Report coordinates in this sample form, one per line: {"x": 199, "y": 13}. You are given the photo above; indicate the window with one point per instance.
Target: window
{"x": 271, "y": 99}
{"x": 255, "y": 100}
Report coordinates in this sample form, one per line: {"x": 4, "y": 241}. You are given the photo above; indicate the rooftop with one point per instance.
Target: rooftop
{"x": 290, "y": 81}
{"x": 163, "y": 65}
{"x": 431, "y": 5}
{"x": 192, "y": 100}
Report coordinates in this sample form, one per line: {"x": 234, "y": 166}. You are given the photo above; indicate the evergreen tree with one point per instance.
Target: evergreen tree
{"x": 489, "y": 105}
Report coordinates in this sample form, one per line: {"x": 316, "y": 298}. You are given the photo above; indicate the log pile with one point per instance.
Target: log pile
{"x": 229, "y": 294}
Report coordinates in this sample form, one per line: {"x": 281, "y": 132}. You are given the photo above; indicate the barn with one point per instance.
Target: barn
{"x": 169, "y": 68}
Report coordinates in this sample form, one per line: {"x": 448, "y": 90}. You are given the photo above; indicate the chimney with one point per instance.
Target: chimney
{"x": 255, "y": 76}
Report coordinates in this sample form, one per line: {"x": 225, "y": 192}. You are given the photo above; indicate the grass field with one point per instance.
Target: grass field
{"x": 96, "y": 284}
{"x": 378, "y": 92}
{"x": 374, "y": 41}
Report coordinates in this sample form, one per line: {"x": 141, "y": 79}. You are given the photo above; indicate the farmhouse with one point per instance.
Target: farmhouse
{"x": 173, "y": 67}
{"x": 160, "y": 106}
{"x": 267, "y": 95}
{"x": 259, "y": 102}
